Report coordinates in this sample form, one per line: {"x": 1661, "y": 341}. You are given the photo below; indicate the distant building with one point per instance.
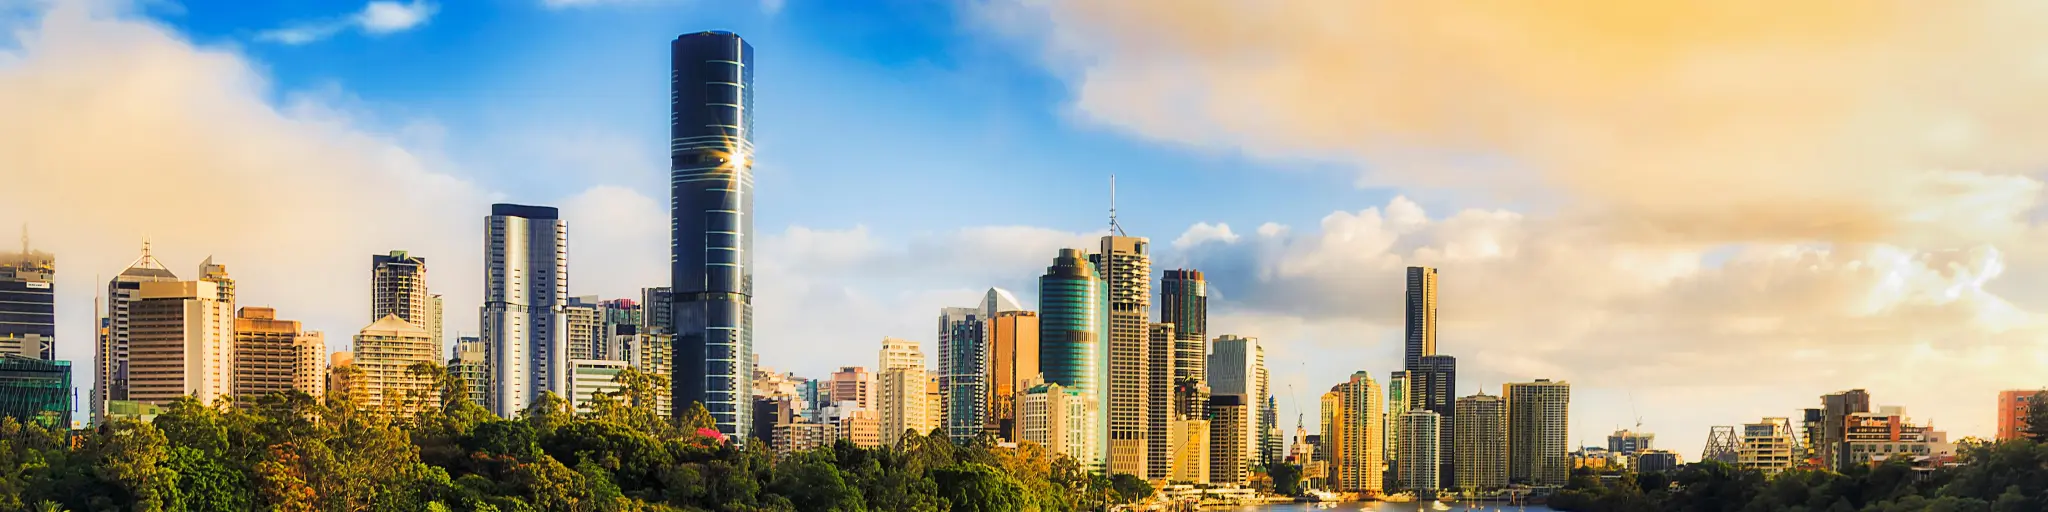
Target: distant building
{"x": 1624, "y": 442}
{"x": 1482, "y": 438}
{"x": 1062, "y": 420}
{"x": 1237, "y": 366}
{"x": 1419, "y": 451}
{"x": 469, "y": 360}
{"x": 1835, "y": 411}
{"x": 275, "y": 356}
{"x": 966, "y": 357}
{"x": 181, "y": 342}
{"x": 1184, "y": 303}
{"x": 711, "y": 224}
{"x": 1539, "y": 422}
{"x": 853, "y": 384}
{"x": 1880, "y": 436}
{"x": 1767, "y": 446}
{"x": 1230, "y": 420}
{"x": 111, "y": 358}
{"x": 1159, "y": 417}
{"x": 1352, "y": 422}
{"x": 1125, "y": 264}
{"x": 1421, "y": 316}
{"x": 1397, "y": 405}
{"x": 526, "y": 291}
{"x": 1013, "y": 361}
{"x": 592, "y": 377}
{"x": 1188, "y": 450}
{"x": 902, "y": 398}
{"x": 398, "y": 286}
{"x": 385, "y": 352}
{"x": 583, "y": 330}
{"x": 1072, "y": 346}
{"x": 803, "y": 436}
{"x": 1433, "y": 386}
{"x": 35, "y": 390}
{"x": 2012, "y": 413}
{"x": 28, "y": 303}
{"x": 1657, "y": 461}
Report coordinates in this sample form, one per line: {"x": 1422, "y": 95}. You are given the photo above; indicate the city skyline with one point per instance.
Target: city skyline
{"x": 1638, "y": 318}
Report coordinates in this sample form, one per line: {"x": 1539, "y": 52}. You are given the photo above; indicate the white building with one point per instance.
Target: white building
{"x": 386, "y": 351}
{"x": 1062, "y": 420}
{"x": 526, "y": 283}
{"x": 591, "y": 377}
{"x": 903, "y": 390}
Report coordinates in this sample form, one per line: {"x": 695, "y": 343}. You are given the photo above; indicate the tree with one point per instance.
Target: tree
{"x": 979, "y": 488}
{"x": 2037, "y": 417}
{"x": 1129, "y": 488}
{"x": 1286, "y": 479}
{"x": 132, "y": 460}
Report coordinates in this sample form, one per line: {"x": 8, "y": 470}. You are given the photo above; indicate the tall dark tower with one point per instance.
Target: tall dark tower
{"x": 1421, "y": 317}
{"x": 711, "y": 201}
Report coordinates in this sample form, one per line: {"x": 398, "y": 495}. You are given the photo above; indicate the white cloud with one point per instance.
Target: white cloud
{"x": 379, "y": 17}
{"x": 769, "y": 7}
{"x": 1203, "y": 232}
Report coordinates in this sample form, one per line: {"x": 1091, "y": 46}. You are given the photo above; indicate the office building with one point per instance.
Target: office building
{"x": 1272, "y": 442}
{"x": 1835, "y": 411}
{"x": 1482, "y": 439}
{"x": 802, "y": 436}
{"x": 1433, "y": 386}
{"x": 1188, "y": 450}
{"x": 1353, "y": 422}
{"x": 592, "y": 377}
{"x": 1658, "y": 461}
{"x": 619, "y": 317}
{"x": 398, "y": 286}
{"x": 1060, "y": 419}
{"x": 275, "y": 356}
{"x": 1421, "y": 316}
{"x": 28, "y": 303}
{"x": 854, "y": 385}
{"x": 1419, "y": 452}
{"x": 901, "y": 390}
{"x": 657, "y": 310}
{"x": 385, "y": 352}
{"x": 1624, "y": 442}
{"x": 2012, "y": 413}
{"x": 1184, "y": 303}
{"x": 582, "y": 320}
{"x": 110, "y": 357}
{"x": 964, "y": 364}
{"x": 1070, "y": 323}
{"x": 35, "y": 390}
{"x": 469, "y": 360}
{"x": 1871, "y": 438}
{"x": 1397, "y": 405}
{"x": 711, "y": 182}
{"x": 1013, "y": 361}
{"x": 1125, "y": 264}
{"x": 181, "y": 342}
{"x": 1539, "y": 420}
{"x": 1237, "y": 366}
{"x": 526, "y": 284}
{"x": 1159, "y": 399}
{"x": 1810, "y": 426}
{"x": 1229, "y": 453}
{"x": 1767, "y": 446}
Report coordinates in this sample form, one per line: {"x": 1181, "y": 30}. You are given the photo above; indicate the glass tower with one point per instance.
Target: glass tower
{"x": 1069, "y": 323}
{"x": 1184, "y": 302}
{"x": 711, "y": 186}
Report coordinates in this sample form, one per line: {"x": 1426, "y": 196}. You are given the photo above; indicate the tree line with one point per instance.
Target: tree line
{"x": 297, "y": 453}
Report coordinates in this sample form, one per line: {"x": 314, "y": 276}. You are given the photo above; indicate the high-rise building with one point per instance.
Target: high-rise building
{"x": 1835, "y": 411}
{"x": 1767, "y": 446}
{"x": 385, "y": 352}
{"x": 711, "y": 192}
{"x": 1482, "y": 438}
{"x": 1397, "y": 405}
{"x": 1539, "y": 421}
{"x": 275, "y": 356}
{"x": 902, "y": 396}
{"x": 1433, "y": 386}
{"x": 1013, "y": 361}
{"x": 1419, "y": 452}
{"x": 1625, "y": 442}
{"x": 1125, "y": 264}
{"x": 1810, "y": 436}
{"x": 657, "y": 310}
{"x": 181, "y": 342}
{"x": 853, "y": 384}
{"x": 115, "y": 335}
{"x": 1237, "y": 366}
{"x": 591, "y": 377}
{"x": 1229, "y": 453}
{"x": 2012, "y": 413}
{"x": 1657, "y": 461}
{"x": 964, "y": 358}
{"x": 1060, "y": 419}
{"x": 28, "y": 303}
{"x": 526, "y": 290}
{"x": 1421, "y": 315}
{"x": 469, "y": 360}
{"x": 1159, "y": 400}
{"x": 1070, "y": 323}
{"x": 1188, "y": 448}
{"x": 398, "y": 286}
{"x": 1353, "y": 423}
{"x": 1184, "y": 302}
{"x": 1272, "y": 441}
{"x": 35, "y": 390}
{"x": 583, "y": 319}
{"x": 620, "y": 317}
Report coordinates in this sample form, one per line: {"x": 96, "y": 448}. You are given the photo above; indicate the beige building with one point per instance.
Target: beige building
{"x": 1060, "y": 419}
{"x": 344, "y": 380}
{"x": 1481, "y": 454}
{"x": 115, "y": 333}
{"x": 1767, "y": 446}
{"x": 589, "y": 377}
{"x": 1188, "y": 449}
{"x": 852, "y": 384}
{"x": 181, "y": 342}
{"x": 1420, "y": 451}
{"x": 1539, "y": 421}
{"x": 1229, "y": 455}
{"x": 1012, "y": 361}
{"x": 904, "y": 391}
{"x": 1125, "y": 264}
{"x": 585, "y": 320}
{"x": 398, "y": 286}
{"x": 1352, "y": 435}
{"x": 385, "y": 352}
{"x": 651, "y": 354}
{"x": 275, "y": 356}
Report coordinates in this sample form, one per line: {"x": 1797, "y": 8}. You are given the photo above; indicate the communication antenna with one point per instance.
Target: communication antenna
{"x": 1114, "y": 228}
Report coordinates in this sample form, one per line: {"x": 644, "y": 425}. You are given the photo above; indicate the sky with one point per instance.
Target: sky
{"x": 1697, "y": 213}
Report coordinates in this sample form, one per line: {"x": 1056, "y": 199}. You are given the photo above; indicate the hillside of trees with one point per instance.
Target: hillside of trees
{"x": 298, "y": 454}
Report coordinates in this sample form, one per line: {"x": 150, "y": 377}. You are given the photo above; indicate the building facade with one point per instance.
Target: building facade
{"x": 1482, "y": 439}
{"x": 28, "y": 303}
{"x": 1013, "y": 361}
{"x": 1353, "y": 435}
{"x": 1184, "y": 303}
{"x": 526, "y": 285}
{"x": 1059, "y": 419}
{"x": 2012, "y": 413}
{"x": 469, "y": 360}
{"x": 583, "y": 327}
{"x": 1433, "y": 386}
{"x": 901, "y": 390}
{"x": 1159, "y": 400}
{"x": 592, "y": 377}
{"x": 1835, "y": 411}
{"x": 1188, "y": 448}
{"x": 1420, "y": 433}
{"x": 1421, "y": 316}
{"x": 1626, "y": 442}
{"x": 711, "y": 181}
{"x": 966, "y": 356}
{"x": 111, "y": 356}
{"x": 1539, "y": 423}
{"x": 398, "y": 286}
{"x": 181, "y": 343}
{"x": 275, "y": 356}
{"x": 35, "y": 390}
{"x": 1767, "y": 446}
{"x": 1125, "y": 264}
{"x": 1229, "y": 454}
{"x": 1237, "y": 366}
{"x": 385, "y": 352}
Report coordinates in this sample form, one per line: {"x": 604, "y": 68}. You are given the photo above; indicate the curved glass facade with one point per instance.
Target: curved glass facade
{"x": 711, "y": 187}
{"x": 1070, "y": 322}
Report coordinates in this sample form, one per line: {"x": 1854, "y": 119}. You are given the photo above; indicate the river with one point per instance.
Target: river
{"x": 1384, "y": 507}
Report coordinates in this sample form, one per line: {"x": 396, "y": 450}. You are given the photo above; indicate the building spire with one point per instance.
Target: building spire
{"x": 1114, "y": 228}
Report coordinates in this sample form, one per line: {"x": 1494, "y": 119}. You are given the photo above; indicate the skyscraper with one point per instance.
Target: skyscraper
{"x": 1237, "y": 366}
{"x": 28, "y": 311}
{"x": 1159, "y": 400}
{"x": 1397, "y": 405}
{"x": 711, "y": 200}
{"x": 385, "y": 352}
{"x": 1353, "y": 436}
{"x": 902, "y": 397}
{"x": 1125, "y": 264}
{"x": 116, "y": 335}
{"x": 275, "y": 356}
{"x": 1229, "y": 452}
{"x": 1013, "y": 361}
{"x": 1482, "y": 438}
{"x": 36, "y": 390}
{"x": 1433, "y": 386}
{"x": 853, "y": 384}
{"x": 583, "y": 318}
{"x": 1421, "y": 313}
{"x": 526, "y": 284}
{"x": 964, "y": 359}
{"x": 181, "y": 342}
{"x": 1184, "y": 302}
{"x": 398, "y": 286}
{"x": 1070, "y": 323}
{"x": 1539, "y": 421}
{"x": 1835, "y": 410}
{"x": 1420, "y": 433}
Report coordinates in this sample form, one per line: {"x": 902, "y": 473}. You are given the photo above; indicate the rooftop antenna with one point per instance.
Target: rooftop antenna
{"x": 1113, "y": 227}
{"x": 24, "y": 240}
